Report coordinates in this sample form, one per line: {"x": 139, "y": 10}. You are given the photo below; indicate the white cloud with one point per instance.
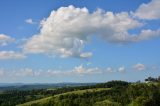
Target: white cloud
{"x": 149, "y": 11}
{"x": 110, "y": 70}
{"x": 139, "y": 67}
{"x": 5, "y": 39}
{"x": 11, "y": 55}
{"x": 66, "y": 31}
{"x": 121, "y": 69}
{"x": 52, "y": 72}
{"x": 143, "y": 35}
{"x": 30, "y": 21}
{"x": 81, "y": 70}
{"x": 147, "y": 34}
{"x": 86, "y": 55}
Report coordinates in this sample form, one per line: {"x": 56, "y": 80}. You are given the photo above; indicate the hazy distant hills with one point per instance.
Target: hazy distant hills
{"x": 25, "y": 86}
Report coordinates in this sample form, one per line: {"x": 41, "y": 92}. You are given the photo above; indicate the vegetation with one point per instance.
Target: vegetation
{"x": 113, "y": 93}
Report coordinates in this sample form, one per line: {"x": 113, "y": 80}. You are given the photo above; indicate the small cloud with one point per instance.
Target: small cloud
{"x": 121, "y": 69}
{"x": 110, "y": 70}
{"x": 5, "y": 40}
{"x": 139, "y": 67}
{"x": 30, "y": 21}
{"x": 86, "y": 55}
{"x": 82, "y": 70}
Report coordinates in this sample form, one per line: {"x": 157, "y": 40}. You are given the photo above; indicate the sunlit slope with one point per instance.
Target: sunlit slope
{"x": 45, "y": 100}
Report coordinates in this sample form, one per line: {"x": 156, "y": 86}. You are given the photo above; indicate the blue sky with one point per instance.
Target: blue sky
{"x": 79, "y": 40}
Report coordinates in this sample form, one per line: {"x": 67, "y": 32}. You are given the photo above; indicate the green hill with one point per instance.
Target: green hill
{"x": 47, "y": 99}
{"x": 112, "y": 93}
{"x": 119, "y": 94}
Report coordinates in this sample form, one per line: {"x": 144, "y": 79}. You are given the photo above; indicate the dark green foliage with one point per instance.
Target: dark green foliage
{"x": 120, "y": 95}
{"x": 111, "y": 84}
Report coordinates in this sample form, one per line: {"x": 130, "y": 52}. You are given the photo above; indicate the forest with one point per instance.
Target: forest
{"x": 112, "y": 93}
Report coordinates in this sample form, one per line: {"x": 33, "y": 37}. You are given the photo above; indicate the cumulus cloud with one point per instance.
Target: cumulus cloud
{"x": 66, "y": 31}
{"x": 149, "y": 11}
{"x": 30, "y": 21}
{"x": 139, "y": 67}
{"x": 5, "y": 39}
{"x": 121, "y": 69}
{"x": 11, "y": 55}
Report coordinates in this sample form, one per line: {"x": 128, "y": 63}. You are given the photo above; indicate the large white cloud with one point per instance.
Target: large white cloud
{"x": 149, "y": 11}
{"x": 67, "y": 30}
{"x": 11, "y": 55}
{"x": 5, "y": 39}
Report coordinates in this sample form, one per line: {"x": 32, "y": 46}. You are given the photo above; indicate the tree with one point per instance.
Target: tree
{"x": 151, "y": 79}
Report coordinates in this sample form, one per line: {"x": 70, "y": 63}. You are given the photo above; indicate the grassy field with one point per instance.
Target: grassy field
{"x": 44, "y": 100}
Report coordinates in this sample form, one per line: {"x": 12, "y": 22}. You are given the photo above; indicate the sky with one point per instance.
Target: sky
{"x": 52, "y": 41}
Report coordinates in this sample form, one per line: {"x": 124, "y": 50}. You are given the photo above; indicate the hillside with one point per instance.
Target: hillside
{"x": 119, "y": 94}
{"x": 56, "y": 97}
{"x": 112, "y": 93}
